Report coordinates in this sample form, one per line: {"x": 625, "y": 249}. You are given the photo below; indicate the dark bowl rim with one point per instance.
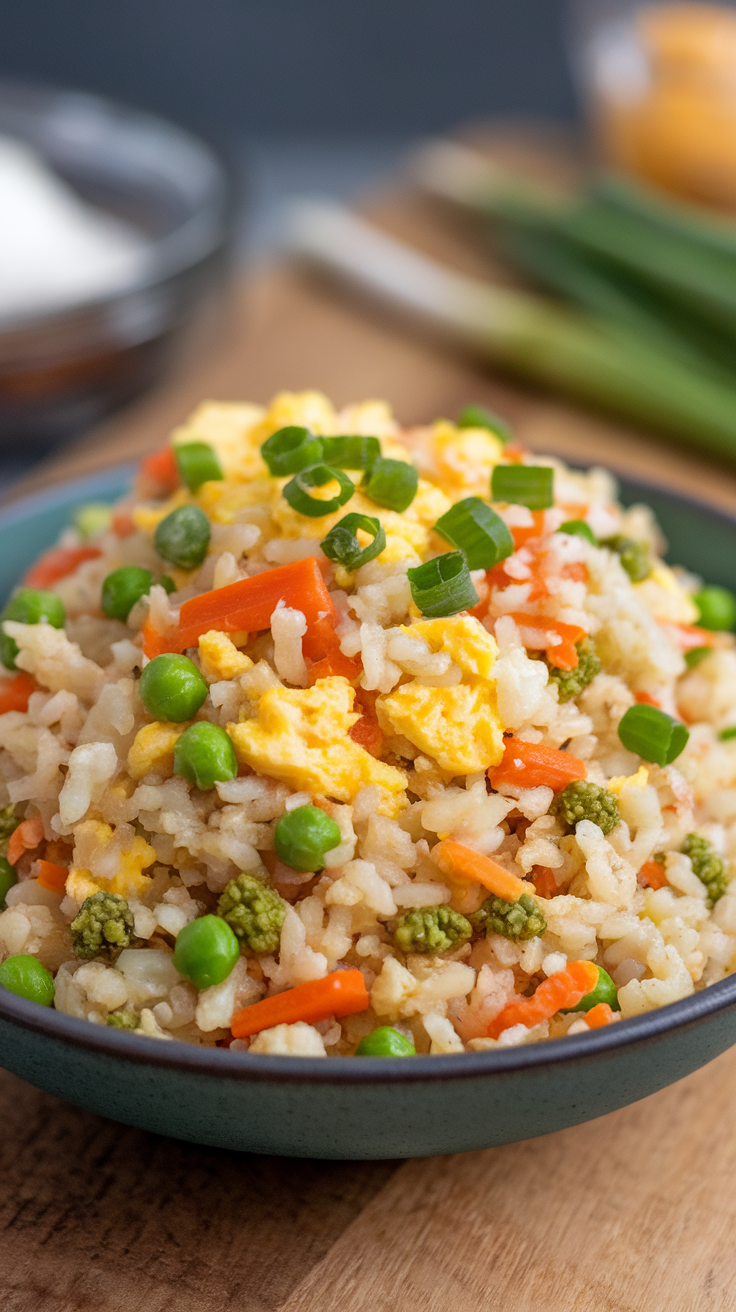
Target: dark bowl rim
{"x": 223, "y": 1064}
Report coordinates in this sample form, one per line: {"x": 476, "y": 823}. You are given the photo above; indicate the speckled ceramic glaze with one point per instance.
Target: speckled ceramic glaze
{"x": 363, "y": 1107}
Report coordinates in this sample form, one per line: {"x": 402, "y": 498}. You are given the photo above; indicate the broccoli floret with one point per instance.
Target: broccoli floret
{"x": 707, "y": 865}
{"x": 431, "y": 929}
{"x": 572, "y": 682}
{"x": 8, "y": 824}
{"x": 634, "y": 556}
{"x": 515, "y": 920}
{"x": 254, "y": 912}
{"x": 124, "y": 1020}
{"x": 586, "y": 801}
{"x": 102, "y": 926}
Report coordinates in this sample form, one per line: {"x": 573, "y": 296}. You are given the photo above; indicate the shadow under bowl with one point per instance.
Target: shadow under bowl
{"x": 348, "y": 1107}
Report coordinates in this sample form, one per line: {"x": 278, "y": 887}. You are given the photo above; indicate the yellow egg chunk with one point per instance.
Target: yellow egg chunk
{"x": 464, "y": 458}
{"x": 310, "y": 410}
{"x": 638, "y": 780}
{"x": 665, "y": 598}
{"x": 301, "y": 735}
{"x": 459, "y": 727}
{"x": 223, "y": 501}
{"x": 228, "y": 427}
{"x": 128, "y": 880}
{"x": 153, "y": 749}
{"x": 471, "y": 646}
{"x": 80, "y": 885}
{"x": 221, "y": 658}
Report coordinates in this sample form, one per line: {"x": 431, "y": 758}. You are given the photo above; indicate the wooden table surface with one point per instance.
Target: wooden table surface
{"x": 634, "y": 1212}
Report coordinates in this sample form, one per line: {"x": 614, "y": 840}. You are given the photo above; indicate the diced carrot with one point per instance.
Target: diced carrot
{"x": 15, "y": 693}
{"x": 339, "y": 994}
{"x": 576, "y": 571}
{"x": 350, "y": 667}
{"x": 545, "y": 884}
{"x": 515, "y": 453}
{"x": 535, "y": 530}
{"x": 562, "y": 990}
{"x": 23, "y": 839}
{"x": 57, "y": 563}
{"x": 652, "y": 875}
{"x": 162, "y": 468}
{"x": 367, "y": 733}
{"x": 537, "y": 628}
{"x": 645, "y": 699}
{"x": 122, "y": 523}
{"x": 598, "y": 1016}
{"x": 531, "y": 765}
{"x": 155, "y": 643}
{"x": 689, "y": 636}
{"x": 52, "y": 876}
{"x": 464, "y": 863}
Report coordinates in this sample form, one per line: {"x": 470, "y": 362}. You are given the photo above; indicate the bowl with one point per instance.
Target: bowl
{"x": 348, "y": 1107}
{"x": 64, "y": 369}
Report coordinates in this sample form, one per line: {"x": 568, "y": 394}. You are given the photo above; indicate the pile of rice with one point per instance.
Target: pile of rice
{"x": 84, "y": 759}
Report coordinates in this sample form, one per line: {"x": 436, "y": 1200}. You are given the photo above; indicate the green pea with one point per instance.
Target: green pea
{"x": 197, "y": 464}
{"x": 167, "y": 583}
{"x": 183, "y": 537}
{"x": 24, "y": 975}
{"x": 385, "y": 1042}
{"x": 29, "y": 606}
{"x": 717, "y": 607}
{"x": 303, "y": 836}
{"x": 206, "y": 951}
{"x": 172, "y": 688}
{"x": 123, "y": 588}
{"x": 8, "y": 878}
{"x": 604, "y": 991}
{"x": 204, "y": 755}
{"x": 93, "y": 518}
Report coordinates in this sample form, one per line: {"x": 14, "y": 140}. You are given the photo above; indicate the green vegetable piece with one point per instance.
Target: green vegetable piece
{"x": 716, "y": 607}
{"x": 206, "y": 951}
{"x": 183, "y": 537}
{"x": 93, "y": 518}
{"x": 579, "y": 529}
{"x": 652, "y": 734}
{"x": 431, "y": 929}
{"x": 604, "y": 991}
{"x": 172, "y": 688}
{"x": 128, "y": 1019}
{"x": 478, "y": 416}
{"x": 586, "y": 801}
{"x": 477, "y": 531}
{"x": 385, "y": 1042}
{"x": 167, "y": 583}
{"x": 391, "y": 483}
{"x": 8, "y": 824}
{"x": 297, "y": 491}
{"x": 204, "y": 755}
{"x": 522, "y": 919}
{"x": 695, "y": 655}
{"x": 24, "y": 975}
{"x": 350, "y": 452}
{"x": 29, "y": 606}
{"x": 102, "y": 927}
{"x": 443, "y": 586}
{"x": 291, "y": 449}
{"x": 123, "y": 588}
{"x": 726, "y": 734}
{"x": 524, "y": 485}
{"x": 342, "y": 545}
{"x": 197, "y": 464}
{"x": 571, "y": 682}
{"x": 634, "y": 556}
{"x": 254, "y": 912}
{"x": 8, "y": 878}
{"x": 303, "y": 837}
{"x": 707, "y": 865}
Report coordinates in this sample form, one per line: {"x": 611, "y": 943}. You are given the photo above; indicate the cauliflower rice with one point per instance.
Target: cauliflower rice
{"x": 416, "y": 734}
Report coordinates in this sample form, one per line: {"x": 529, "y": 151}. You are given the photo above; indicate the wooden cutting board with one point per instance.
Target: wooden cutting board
{"x": 634, "y": 1212}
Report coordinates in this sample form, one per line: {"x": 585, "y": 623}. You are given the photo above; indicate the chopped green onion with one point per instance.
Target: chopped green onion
{"x": 523, "y": 485}
{"x": 477, "y": 531}
{"x": 579, "y": 529}
{"x": 695, "y": 655}
{"x": 443, "y": 586}
{"x": 197, "y": 464}
{"x": 392, "y": 483}
{"x": 297, "y": 494}
{"x": 477, "y": 416}
{"x": 716, "y": 607}
{"x": 342, "y": 545}
{"x": 727, "y": 734}
{"x": 350, "y": 452}
{"x": 652, "y": 734}
{"x": 291, "y": 449}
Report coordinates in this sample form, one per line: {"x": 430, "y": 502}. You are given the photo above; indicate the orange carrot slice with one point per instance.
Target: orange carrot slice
{"x": 545, "y": 884}
{"x": 536, "y": 630}
{"x": 23, "y": 839}
{"x": 52, "y": 876}
{"x": 57, "y": 563}
{"x": 523, "y": 535}
{"x": 162, "y": 468}
{"x": 339, "y": 994}
{"x": 463, "y": 863}
{"x": 15, "y": 693}
{"x": 598, "y": 1016}
{"x": 530, "y": 765}
{"x": 564, "y": 989}
{"x": 652, "y": 875}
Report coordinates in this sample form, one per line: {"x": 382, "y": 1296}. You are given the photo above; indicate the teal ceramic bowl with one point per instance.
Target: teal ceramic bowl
{"x": 363, "y": 1107}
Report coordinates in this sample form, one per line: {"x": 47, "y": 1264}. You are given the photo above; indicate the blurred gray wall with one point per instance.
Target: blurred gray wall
{"x": 285, "y": 67}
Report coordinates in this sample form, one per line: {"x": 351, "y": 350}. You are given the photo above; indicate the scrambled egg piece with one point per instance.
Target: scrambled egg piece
{"x": 310, "y": 410}
{"x": 407, "y": 534}
{"x": 221, "y": 658}
{"x": 153, "y": 749}
{"x": 665, "y": 598}
{"x": 638, "y": 780}
{"x": 228, "y": 428}
{"x": 459, "y": 727}
{"x": 301, "y": 735}
{"x": 128, "y": 881}
{"x": 463, "y": 458}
